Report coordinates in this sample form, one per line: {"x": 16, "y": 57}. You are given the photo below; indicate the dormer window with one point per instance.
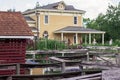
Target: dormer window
{"x": 61, "y": 6}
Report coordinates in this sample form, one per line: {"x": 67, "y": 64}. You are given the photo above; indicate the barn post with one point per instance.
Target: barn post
{"x": 17, "y": 69}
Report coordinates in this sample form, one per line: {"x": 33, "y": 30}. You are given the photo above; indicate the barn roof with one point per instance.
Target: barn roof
{"x": 13, "y": 25}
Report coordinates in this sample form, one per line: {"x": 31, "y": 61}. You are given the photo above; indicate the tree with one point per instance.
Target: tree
{"x": 109, "y": 22}
{"x": 113, "y": 21}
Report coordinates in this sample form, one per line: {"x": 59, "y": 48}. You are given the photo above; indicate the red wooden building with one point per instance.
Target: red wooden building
{"x": 14, "y": 33}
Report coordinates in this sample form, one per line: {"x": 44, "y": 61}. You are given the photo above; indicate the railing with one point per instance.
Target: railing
{"x": 59, "y": 64}
{"x": 51, "y": 76}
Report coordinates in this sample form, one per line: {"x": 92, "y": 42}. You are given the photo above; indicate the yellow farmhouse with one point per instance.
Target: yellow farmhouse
{"x": 59, "y": 21}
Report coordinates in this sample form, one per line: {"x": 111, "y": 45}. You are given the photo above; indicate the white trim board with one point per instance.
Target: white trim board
{"x": 99, "y": 32}
{"x": 17, "y": 37}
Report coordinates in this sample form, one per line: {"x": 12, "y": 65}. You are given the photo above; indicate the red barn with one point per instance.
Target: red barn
{"x": 14, "y": 33}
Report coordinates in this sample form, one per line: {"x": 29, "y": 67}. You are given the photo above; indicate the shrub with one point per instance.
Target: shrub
{"x": 48, "y": 44}
{"x": 117, "y": 42}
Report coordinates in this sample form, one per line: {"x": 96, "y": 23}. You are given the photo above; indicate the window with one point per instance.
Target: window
{"x": 45, "y": 34}
{"x": 46, "y": 19}
{"x": 75, "y": 20}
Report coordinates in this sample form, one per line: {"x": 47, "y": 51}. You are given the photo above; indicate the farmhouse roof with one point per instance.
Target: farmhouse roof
{"x": 28, "y": 18}
{"x": 52, "y": 6}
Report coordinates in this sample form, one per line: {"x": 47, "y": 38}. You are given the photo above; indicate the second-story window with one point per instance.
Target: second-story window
{"x": 46, "y": 19}
{"x": 75, "y": 20}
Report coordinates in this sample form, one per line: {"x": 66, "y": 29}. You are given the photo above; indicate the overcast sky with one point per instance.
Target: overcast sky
{"x": 92, "y": 7}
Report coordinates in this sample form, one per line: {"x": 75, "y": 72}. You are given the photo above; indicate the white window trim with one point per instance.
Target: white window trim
{"x": 44, "y": 20}
{"x": 74, "y": 20}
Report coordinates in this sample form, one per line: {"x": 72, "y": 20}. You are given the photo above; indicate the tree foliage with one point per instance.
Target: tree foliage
{"x": 109, "y": 22}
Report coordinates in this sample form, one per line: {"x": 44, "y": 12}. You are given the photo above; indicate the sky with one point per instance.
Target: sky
{"x": 92, "y": 7}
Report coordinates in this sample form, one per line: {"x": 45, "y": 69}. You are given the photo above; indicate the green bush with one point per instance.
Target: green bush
{"x": 48, "y": 44}
{"x": 116, "y": 43}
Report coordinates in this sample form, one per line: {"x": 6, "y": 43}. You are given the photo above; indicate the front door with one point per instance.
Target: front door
{"x": 74, "y": 39}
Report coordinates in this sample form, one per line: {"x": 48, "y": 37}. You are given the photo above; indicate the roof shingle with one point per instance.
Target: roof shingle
{"x": 28, "y": 18}
{"x": 78, "y": 29}
{"x": 52, "y": 6}
{"x": 13, "y": 24}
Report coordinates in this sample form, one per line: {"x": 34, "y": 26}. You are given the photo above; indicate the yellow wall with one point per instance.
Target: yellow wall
{"x": 56, "y": 22}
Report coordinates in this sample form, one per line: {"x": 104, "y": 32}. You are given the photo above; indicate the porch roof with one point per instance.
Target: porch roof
{"x": 78, "y": 29}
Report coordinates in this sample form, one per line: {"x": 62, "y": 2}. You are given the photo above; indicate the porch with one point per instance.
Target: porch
{"x": 74, "y": 34}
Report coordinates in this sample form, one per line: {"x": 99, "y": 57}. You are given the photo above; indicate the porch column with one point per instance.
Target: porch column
{"x": 89, "y": 38}
{"x": 38, "y": 24}
{"x": 103, "y": 38}
{"x": 61, "y": 36}
{"x": 85, "y": 38}
{"x": 76, "y": 38}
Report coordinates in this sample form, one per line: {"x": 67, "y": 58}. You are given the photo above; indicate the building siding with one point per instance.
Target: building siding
{"x": 57, "y": 22}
